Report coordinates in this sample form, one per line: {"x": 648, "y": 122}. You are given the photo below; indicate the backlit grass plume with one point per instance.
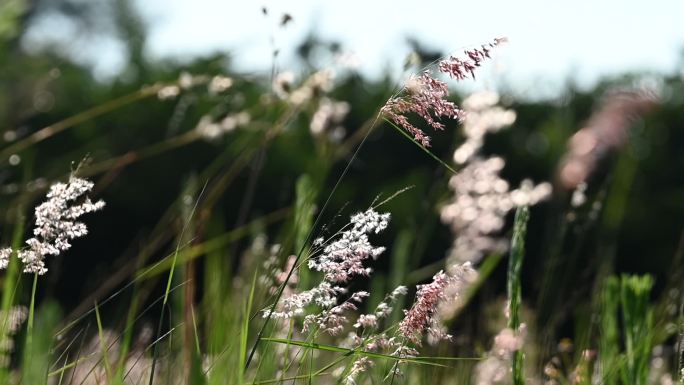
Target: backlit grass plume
{"x": 56, "y": 224}
{"x": 426, "y": 96}
{"x": 340, "y": 261}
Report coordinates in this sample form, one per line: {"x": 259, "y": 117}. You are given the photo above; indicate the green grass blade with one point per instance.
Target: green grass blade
{"x": 31, "y": 315}
{"x": 244, "y": 333}
{"x": 609, "y": 348}
{"x": 433, "y": 156}
{"x": 178, "y": 245}
{"x": 349, "y": 352}
{"x": 308, "y": 239}
{"x": 637, "y": 315}
{"x": 103, "y": 343}
{"x": 514, "y": 286}
{"x": 79, "y": 118}
{"x": 36, "y": 355}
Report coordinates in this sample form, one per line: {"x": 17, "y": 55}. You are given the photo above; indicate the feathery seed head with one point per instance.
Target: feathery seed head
{"x": 422, "y": 317}
{"x": 56, "y": 222}
{"x": 340, "y": 261}
{"x": 426, "y": 96}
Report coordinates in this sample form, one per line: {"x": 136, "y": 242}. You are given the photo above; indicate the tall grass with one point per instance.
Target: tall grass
{"x": 514, "y": 286}
{"x": 202, "y": 297}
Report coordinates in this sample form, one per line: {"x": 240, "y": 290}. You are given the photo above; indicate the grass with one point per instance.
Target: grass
{"x": 186, "y": 304}
{"x": 514, "y": 286}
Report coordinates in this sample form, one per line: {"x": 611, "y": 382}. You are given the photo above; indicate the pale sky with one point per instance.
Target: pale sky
{"x": 550, "y": 41}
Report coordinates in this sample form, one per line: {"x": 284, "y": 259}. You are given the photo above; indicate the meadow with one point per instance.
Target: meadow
{"x": 188, "y": 223}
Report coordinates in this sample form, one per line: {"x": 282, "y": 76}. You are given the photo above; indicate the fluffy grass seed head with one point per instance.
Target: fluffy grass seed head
{"x": 383, "y": 310}
{"x": 482, "y": 199}
{"x": 426, "y": 96}
{"x": 340, "y": 261}
{"x": 423, "y": 315}
{"x": 606, "y": 131}
{"x": 57, "y": 222}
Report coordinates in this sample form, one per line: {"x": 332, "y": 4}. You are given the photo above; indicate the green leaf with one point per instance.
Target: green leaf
{"x": 349, "y": 352}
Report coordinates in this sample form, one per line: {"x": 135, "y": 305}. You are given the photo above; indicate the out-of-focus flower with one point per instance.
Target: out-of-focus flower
{"x": 328, "y": 117}
{"x": 210, "y": 129}
{"x": 482, "y": 116}
{"x": 496, "y": 369}
{"x": 481, "y": 201}
{"x": 316, "y": 85}
{"x": 283, "y": 83}
{"x": 481, "y": 197}
{"x": 274, "y": 276}
{"x": 168, "y": 92}
{"x": 578, "y": 195}
{"x": 187, "y": 80}
{"x": 233, "y": 121}
{"x": 606, "y": 131}
{"x": 9, "y": 325}
{"x": 219, "y": 84}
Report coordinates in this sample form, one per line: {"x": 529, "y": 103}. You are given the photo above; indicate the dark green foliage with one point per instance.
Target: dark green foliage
{"x": 637, "y": 315}
{"x": 626, "y": 341}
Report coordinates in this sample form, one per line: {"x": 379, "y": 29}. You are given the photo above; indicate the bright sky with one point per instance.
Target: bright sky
{"x": 549, "y": 40}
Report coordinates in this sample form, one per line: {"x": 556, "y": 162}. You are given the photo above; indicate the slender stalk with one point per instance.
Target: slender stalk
{"x": 29, "y": 325}
{"x": 103, "y": 343}
{"x": 425, "y": 150}
{"x": 11, "y": 281}
{"x": 308, "y": 239}
{"x": 169, "y": 280}
{"x": 515, "y": 285}
{"x": 79, "y": 118}
{"x": 637, "y": 316}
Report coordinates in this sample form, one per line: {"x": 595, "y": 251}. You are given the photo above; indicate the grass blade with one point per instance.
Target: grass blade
{"x": 349, "y": 352}
{"x": 515, "y": 284}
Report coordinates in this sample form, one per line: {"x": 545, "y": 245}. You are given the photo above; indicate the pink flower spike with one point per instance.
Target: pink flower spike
{"x": 426, "y": 96}
{"x": 420, "y": 316}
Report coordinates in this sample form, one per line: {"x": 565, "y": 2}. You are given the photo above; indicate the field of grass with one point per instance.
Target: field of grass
{"x": 190, "y": 224}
